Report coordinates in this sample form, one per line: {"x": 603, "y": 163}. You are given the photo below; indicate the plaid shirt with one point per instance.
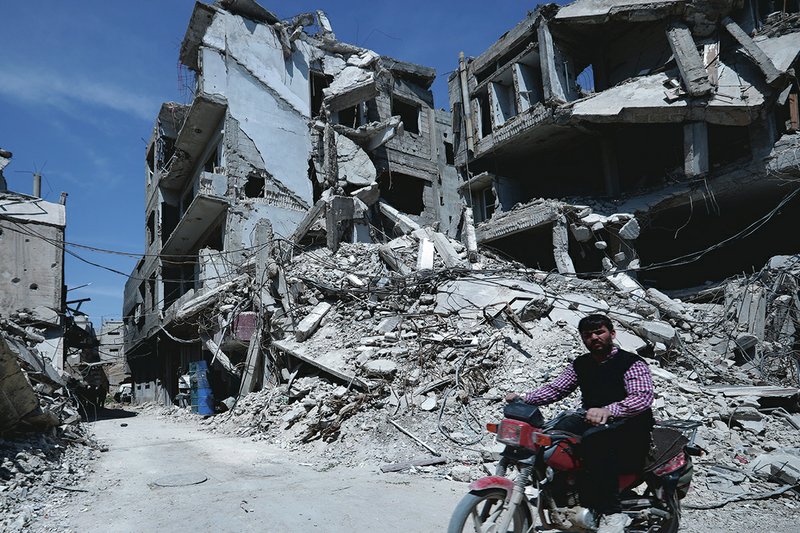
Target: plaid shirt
{"x": 638, "y": 384}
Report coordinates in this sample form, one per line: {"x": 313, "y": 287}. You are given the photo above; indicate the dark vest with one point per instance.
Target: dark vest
{"x": 604, "y": 383}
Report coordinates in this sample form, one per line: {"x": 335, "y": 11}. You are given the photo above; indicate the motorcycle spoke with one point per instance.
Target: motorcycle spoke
{"x": 487, "y": 516}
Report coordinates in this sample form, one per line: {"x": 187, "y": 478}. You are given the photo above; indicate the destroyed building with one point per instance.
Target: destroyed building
{"x": 32, "y": 265}
{"x": 635, "y": 135}
{"x": 292, "y": 134}
{"x": 41, "y": 339}
{"x": 111, "y": 351}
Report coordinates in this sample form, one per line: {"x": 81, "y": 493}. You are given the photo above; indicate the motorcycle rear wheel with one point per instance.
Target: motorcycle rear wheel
{"x": 478, "y": 511}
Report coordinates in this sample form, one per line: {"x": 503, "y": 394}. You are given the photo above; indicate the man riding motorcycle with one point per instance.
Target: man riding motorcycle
{"x": 617, "y": 392}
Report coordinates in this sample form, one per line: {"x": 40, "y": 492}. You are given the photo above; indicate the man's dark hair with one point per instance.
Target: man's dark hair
{"x": 593, "y": 322}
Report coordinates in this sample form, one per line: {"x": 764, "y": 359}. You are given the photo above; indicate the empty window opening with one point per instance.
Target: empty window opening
{"x": 727, "y": 144}
{"x": 646, "y": 155}
{"x": 408, "y": 112}
{"x": 165, "y": 149}
{"x": 173, "y": 288}
{"x": 170, "y": 215}
{"x": 151, "y": 282}
{"x": 533, "y": 247}
{"x": 483, "y": 204}
{"x": 503, "y": 99}
{"x": 254, "y": 188}
{"x": 449, "y": 155}
{"x": 151, "y": 227}
{"x": 403, "y": 192}
{"x": 352, "y": 117}
{"x": 484, "y": 110}
{"x": 531, "y": 89}
{"x": 34, "y": 287}
{"x": 213, "y": 161}
{"x": 318, "y": 82}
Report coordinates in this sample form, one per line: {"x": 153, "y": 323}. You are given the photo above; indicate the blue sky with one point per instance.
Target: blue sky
{"x": 81, "y": 83}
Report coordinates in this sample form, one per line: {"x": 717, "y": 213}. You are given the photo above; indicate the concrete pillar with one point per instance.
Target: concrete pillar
{"x": 553, "y": 89}
{"x": 561, "y": 246}
{"x": 695, "y": 149}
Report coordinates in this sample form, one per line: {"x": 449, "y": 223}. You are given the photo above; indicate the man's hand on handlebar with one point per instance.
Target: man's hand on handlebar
{"x": 513, "y": 397}
{"x": 597, "y": 416}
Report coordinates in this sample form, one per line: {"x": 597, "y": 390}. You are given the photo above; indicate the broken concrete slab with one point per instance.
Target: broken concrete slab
{"x": 561, "y": 246}
{"x": 373, "y": 135}
{"x": 369, "y": 194}
{"x": 665, "y": 304}
{"x": 333, "y": 362}
{"x": 355, "y": 166}
{"x": 446, "y": 250}
{"x": 351, "y": 86}
{"x": 311, "y": 322}
{"x": 581, "y": 233}
{"x": 401, "y": 220}
{"x": 468, "y": 297}
{"x": 380, "y": 368}
{"x": 690, "y": 64}
{"x": 629, "y": 342}
{"x": 753, "y": 50}
{"x": 425, "y": 255}
{"x": 630, "y": 230}
{"x": 784, "y": 465}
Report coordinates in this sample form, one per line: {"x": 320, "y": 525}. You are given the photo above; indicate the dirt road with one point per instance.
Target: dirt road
{"x": 142, "y": 483}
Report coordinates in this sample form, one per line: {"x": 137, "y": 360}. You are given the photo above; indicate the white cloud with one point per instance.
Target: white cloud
{"x": 67, "y": 92}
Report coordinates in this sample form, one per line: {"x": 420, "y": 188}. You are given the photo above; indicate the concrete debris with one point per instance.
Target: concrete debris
{"x": 393, "y": 289}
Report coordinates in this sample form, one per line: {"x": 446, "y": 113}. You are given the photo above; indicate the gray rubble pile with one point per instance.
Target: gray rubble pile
{"x": 44, "y": 448}
{"x": 38, "y": 471}
{"x": 376, "y": 360}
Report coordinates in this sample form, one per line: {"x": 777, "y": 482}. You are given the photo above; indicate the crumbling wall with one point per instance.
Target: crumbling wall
{"x": 267, "y": 95}
{"x": 32, "y": 262}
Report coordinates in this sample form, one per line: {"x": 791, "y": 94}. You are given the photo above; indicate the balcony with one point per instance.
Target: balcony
{"x": 202, "y": 121}
{"x": 199, "y": 217}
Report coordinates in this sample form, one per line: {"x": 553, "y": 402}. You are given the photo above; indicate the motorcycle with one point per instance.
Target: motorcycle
{"x": 547, "y": 463}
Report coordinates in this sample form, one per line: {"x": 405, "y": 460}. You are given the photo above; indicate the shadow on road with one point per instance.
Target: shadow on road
{"x": 110, "y": 414}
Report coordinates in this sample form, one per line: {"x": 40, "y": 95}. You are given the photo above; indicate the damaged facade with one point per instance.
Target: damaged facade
{"x": 45, "y": 347}
{"x": 292, "y": 135}
{"x": 619, "y": 135}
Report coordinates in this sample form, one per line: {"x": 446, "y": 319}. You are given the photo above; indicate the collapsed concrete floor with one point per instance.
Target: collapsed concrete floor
{"x": 374, "y": 361}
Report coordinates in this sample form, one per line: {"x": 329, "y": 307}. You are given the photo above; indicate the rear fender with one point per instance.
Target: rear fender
{"x": 493, "y": 482}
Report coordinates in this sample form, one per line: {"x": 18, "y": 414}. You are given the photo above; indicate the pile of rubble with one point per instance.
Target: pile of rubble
{"x": 40, "y": 470}
{"x": 44, "y": 449}
{"x": 397, "y": 354}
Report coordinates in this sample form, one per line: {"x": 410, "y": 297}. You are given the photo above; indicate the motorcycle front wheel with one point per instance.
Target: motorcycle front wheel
{"x": 479, "y": 511}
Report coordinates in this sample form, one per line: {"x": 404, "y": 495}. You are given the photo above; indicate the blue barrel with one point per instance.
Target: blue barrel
{"x": 198, "y": 366}
{"x": 201, "y": 396}
{"x": 203, "y": 401}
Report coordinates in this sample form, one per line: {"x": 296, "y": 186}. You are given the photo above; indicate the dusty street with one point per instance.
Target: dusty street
{"x": 250, "y": 487}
